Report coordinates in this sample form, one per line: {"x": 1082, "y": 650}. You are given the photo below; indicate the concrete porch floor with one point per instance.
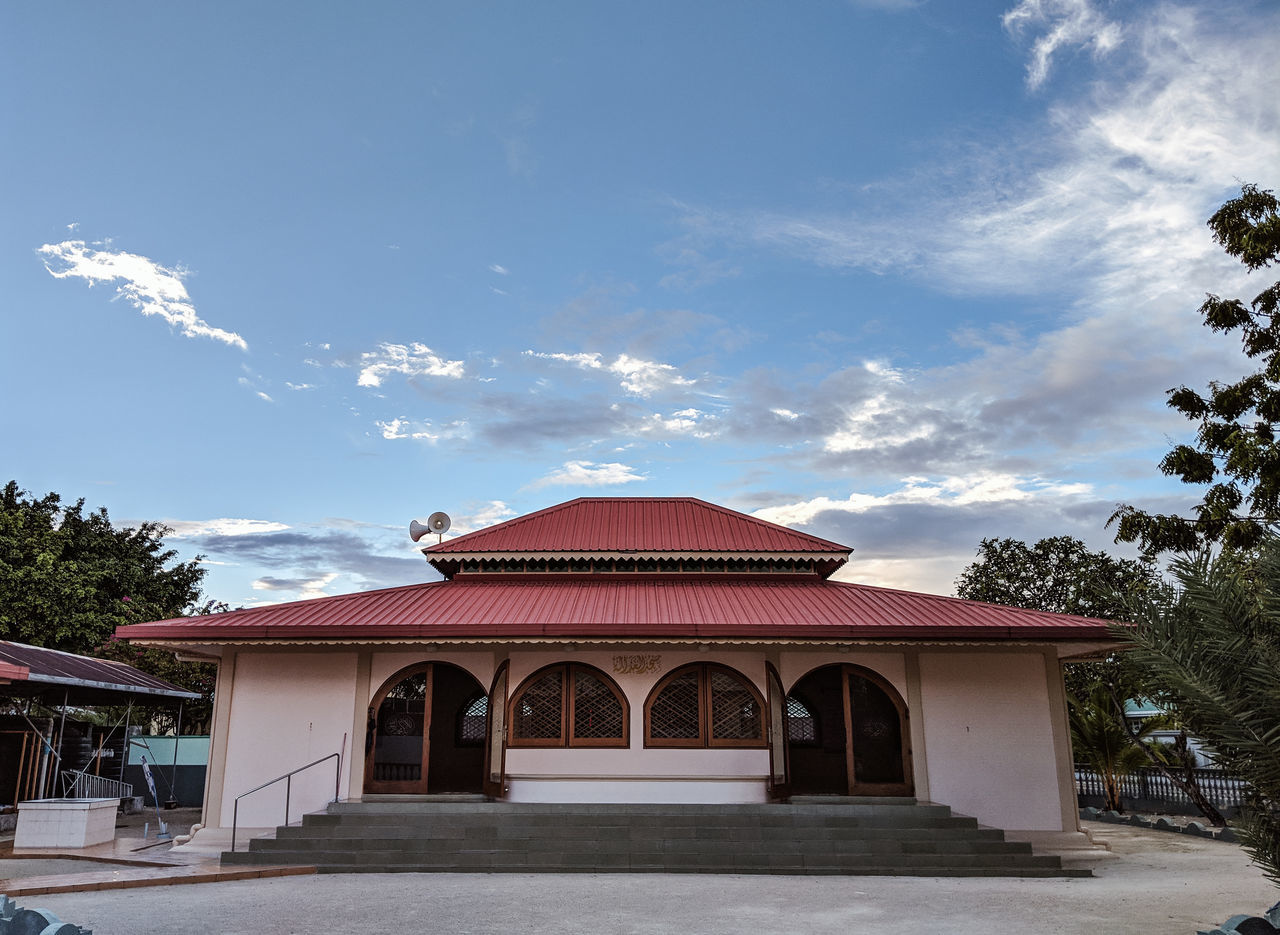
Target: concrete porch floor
{"x": 128, "y": 862}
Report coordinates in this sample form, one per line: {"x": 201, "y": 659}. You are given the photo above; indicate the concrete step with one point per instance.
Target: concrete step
{"x": 814, "y": 835}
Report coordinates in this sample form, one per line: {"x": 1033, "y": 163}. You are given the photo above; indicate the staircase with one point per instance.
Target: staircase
{"x": 883, "y": 836}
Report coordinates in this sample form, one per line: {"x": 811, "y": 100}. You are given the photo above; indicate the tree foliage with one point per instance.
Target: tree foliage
{"x": 1101, "y": 740}
{"x": 1214, "y": 648}
{"x": 1235, "y": 451}
{"x": 1058, "y": 574}
{"x": 68, "y": 577}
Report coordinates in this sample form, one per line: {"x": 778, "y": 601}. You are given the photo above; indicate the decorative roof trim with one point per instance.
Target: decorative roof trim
{"x": 580, "y": 642}
{"x": 635, "y": 554}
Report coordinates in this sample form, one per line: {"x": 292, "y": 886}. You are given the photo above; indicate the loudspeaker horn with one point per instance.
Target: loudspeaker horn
{"x": 417, "y": 530}
{"x": 438, "y": 523}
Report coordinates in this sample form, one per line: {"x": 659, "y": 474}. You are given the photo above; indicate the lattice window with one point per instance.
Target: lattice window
{"x": 675, "y": 714}
{"x": 705, "y": 705}
{"x": 537, "y": 713}
{"x": 597, "y": 712}
{"x": 577, "y": 696}
{"x": 802, "y": 727}
{"x": 472, "y": 721}
{"x": 735, "y": 713}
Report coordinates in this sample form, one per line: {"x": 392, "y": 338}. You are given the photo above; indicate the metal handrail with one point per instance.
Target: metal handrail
{"x": 77, "y": 783}
{"x": 288, "y": 784}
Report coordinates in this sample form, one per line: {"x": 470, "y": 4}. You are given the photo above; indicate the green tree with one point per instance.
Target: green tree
{"x": 1235, "y": 451}
{"x": 1103, "y": 742}
{"x": 68, "y": 578}
{"x": 1214, "y": 648}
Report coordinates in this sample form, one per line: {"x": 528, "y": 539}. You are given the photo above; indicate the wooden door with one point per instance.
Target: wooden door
{"x": 778, "y": 786}
{"x": 400, "y": 722}
{"x": 495, "y": 760}
{"x": 877, "y": 735}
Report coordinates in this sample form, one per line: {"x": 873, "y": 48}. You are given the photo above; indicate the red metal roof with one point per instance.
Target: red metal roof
{"x": 636, "y": 524}
{"x": 749, "y": 606}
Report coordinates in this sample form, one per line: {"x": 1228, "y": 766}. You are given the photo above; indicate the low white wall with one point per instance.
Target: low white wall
{"x": 989, "y": 738}
{"x": 287, "y": 709}
{"x": 661, "y": 792}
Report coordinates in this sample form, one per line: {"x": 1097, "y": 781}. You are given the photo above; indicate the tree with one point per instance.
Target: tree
{"x": 1235, "y": 451}
{"x": 1214, "y": 647}
{"x": 1103, "y": 742}
{"x": 1057, "y": 574}
{"x": 68, "y": 578}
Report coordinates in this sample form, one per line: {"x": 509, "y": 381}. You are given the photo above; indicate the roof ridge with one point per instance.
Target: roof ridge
{"x": 452, "y": 545}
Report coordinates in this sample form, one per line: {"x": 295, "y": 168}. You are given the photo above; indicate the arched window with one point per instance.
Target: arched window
{"x": 471, "y": 721}
{"x": 802, "y": 726}
{"x": 704, "y": 705}
{"x": 568, "y": 705}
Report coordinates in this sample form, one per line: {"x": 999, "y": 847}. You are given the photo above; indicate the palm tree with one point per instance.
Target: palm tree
{"x": 1215, "y": 648}
{"x": 1100, "y": 739}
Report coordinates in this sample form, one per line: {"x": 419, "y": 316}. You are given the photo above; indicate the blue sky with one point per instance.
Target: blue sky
{"x": 902, "y": 274}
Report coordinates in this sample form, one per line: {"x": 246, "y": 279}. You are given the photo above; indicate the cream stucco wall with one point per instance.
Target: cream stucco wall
{"x": 989, "y": 734}
{"x": 986, "y": 729}
{"x": 287, "y": 709}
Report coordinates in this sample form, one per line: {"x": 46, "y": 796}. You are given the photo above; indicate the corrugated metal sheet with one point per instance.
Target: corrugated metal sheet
{"x": 641, "y": 524}
{"x": 657, "y": 606}
{"x": 52, "y": 667}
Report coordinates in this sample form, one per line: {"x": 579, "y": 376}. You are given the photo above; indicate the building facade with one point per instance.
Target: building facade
{"x": 641, "y": 650}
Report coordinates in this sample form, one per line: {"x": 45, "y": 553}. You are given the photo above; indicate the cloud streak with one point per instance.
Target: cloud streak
{"x": 588, "y": 474}
{"x": 152, "y": 289}
{"x": 408, "y": 360}
{"x": 1065, "y": 24}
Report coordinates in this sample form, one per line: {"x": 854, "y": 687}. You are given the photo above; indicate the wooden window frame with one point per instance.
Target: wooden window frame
{"x": 704, "y": 740}
{"x": 567, "y": 705}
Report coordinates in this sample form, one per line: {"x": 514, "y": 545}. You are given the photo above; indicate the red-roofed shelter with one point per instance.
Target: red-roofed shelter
{"x": 631, "y": 649}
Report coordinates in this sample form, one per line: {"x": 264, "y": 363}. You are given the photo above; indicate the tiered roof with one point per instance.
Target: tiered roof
{"x": 711, "y": 573}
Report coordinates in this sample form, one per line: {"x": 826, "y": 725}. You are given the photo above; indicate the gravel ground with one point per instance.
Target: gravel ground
{"x": 1158, "y": 883}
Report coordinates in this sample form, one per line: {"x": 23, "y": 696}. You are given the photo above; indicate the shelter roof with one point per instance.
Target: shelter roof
{"x": 33, "y": 670}
{"x": 647, "y": 525}
{"x": 630, "y": 606}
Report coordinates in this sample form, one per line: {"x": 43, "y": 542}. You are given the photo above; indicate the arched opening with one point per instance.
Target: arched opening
{"x": 426, "y": 732}
{"x": 704, "y": 705}
{"x": 847, "y": 734}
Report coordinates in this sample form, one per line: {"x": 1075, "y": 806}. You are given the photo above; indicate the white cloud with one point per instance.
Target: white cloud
{"x": 646, "y": 377}
{"x": 979, "y": 488}
{"x": 488, "y": 514}
{"x": 785, "y": 414}
{"x": 500, "y": 270}
{"x": 306, "y": 588}
{"x": 639, "y": 377}
{"x": 300, "y": 386}
{"x": 145, "y": 284}
{"x": 402, "y": 428}
{"x": 413, "y": 360}
{"x": 693, "y": 423}
{"x": 589, "y": 474}
{"x": 1066, "y": 24}
{"x": 186, "y": 528}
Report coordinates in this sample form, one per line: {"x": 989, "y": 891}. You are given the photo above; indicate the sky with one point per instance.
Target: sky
{"x": 901, "y": 274}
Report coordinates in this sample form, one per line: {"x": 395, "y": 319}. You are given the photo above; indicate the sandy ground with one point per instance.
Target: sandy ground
{"x": 1158, "y": 883}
